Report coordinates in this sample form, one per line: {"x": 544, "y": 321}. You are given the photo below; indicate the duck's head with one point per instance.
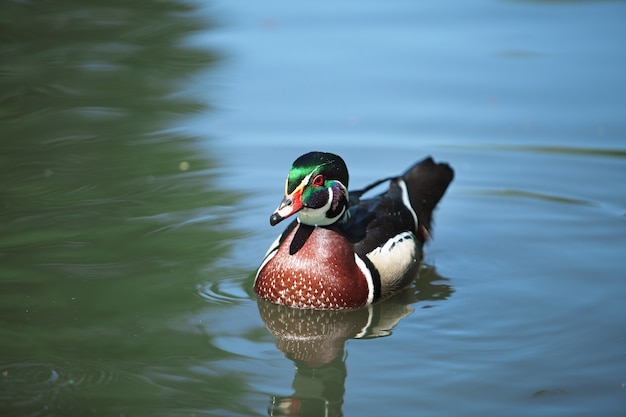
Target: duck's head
{"x": 316, "y": 189}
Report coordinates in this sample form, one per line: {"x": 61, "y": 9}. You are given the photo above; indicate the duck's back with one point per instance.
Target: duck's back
{"x": 406, "y": 206}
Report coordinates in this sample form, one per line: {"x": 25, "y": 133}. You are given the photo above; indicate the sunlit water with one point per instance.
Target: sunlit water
{"x": 144, "y": 148}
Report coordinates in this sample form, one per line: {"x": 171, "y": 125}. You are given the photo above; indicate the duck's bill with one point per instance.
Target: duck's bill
{"x": 290, "y": 205}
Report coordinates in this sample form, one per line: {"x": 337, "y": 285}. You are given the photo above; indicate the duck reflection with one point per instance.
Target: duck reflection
{"x": 315, "y": 340}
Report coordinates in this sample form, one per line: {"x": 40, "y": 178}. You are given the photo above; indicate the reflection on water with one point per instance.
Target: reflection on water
{"x": 314, "y": 341}
{"x": 109, "y": 218}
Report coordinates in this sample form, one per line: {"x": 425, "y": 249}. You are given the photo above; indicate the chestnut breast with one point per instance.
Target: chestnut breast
{"x": 313, "y": 268}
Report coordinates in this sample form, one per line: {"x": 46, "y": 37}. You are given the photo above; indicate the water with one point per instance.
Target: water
{"x": 144, "y": 147}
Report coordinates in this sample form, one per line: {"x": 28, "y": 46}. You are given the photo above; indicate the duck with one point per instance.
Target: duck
{"x": 345, "y": 251}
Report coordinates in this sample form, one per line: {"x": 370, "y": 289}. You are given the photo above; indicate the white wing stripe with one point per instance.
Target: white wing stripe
{"x": 406, "y": 200}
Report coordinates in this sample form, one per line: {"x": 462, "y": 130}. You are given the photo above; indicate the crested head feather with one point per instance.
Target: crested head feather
{"x": 328, "y": 164}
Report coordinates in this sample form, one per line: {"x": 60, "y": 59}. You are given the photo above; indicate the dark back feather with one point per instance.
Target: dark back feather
{"x": 375, "y": 220}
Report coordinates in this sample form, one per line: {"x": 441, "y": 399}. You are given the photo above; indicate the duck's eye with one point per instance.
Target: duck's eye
{"x": 318, "y": 181}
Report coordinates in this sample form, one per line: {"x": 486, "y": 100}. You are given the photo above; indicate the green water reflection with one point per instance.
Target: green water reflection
{"x": 110, "y": 220}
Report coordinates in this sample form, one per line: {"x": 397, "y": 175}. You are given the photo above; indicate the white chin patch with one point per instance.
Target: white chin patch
{"x": 317, "y": 217}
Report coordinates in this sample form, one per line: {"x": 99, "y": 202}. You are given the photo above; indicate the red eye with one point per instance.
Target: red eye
{"x": 318, "y": 181}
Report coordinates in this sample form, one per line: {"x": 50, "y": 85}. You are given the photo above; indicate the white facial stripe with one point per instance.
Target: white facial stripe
{"x": 303, "y": 183}
{"x": 407, "y": 201}
{"x": 330, "y": 200}
{"x": 305, "y": 180}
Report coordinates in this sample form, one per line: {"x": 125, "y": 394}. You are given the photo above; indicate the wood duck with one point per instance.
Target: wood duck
{"x": 343, "y": 251}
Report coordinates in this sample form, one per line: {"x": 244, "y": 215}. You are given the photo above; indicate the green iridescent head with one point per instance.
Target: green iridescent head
{"x": 316, "y": 189}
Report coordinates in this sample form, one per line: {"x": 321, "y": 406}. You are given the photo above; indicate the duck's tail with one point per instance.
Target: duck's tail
{"x": 426, "y": 183}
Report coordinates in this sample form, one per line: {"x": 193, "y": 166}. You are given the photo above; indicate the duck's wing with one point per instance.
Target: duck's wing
{"x": 406, "y": 206}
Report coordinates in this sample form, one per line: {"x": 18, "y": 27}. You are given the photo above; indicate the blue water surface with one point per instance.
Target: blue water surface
{"x": 527, "y": 101}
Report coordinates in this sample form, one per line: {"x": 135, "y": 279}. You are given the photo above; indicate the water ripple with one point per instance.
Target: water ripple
{"x": 34, "y": 389}
{"x": 224, "y": 291}
{"x": 536, "y": 196}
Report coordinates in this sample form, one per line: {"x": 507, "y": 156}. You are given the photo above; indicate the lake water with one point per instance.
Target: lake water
{"x": 144, "y": 147}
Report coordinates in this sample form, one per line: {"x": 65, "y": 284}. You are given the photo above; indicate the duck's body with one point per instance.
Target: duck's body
{"x": 347, "y": 252}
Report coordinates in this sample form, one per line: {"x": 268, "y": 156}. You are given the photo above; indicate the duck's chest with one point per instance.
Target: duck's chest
{"x": 315, "y": 268}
